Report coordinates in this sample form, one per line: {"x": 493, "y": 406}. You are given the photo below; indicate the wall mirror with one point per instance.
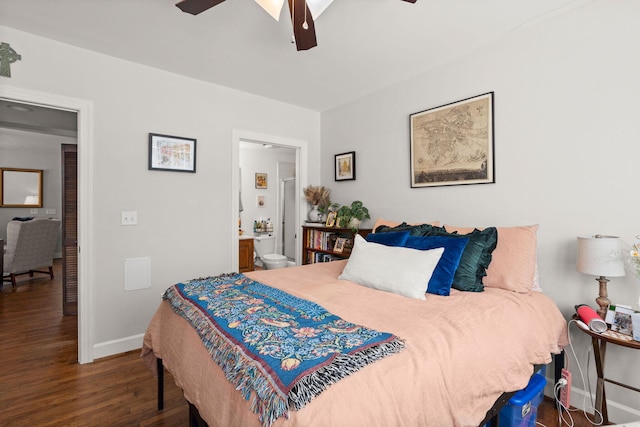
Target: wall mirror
{"x": 20, "y": 188}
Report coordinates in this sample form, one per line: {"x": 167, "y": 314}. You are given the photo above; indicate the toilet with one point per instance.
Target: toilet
{"x": 265, "y": 246}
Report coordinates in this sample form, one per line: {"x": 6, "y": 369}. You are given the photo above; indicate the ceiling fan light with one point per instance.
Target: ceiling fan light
{"x": 273, "y": 7}
{"x": 318, "y": 6}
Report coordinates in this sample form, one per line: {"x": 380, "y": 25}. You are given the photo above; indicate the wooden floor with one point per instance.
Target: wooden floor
{"x": 41, "y": 383}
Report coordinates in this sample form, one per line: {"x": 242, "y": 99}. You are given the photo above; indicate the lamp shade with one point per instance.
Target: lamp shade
{"x": 274, "y": 7}
{"x": 31, "y": 200}
{"x": 600, "y": 256}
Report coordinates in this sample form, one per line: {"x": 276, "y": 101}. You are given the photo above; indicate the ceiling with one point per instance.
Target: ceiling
{"x": 363, "y": 45}
{"x": 34, "y": 118}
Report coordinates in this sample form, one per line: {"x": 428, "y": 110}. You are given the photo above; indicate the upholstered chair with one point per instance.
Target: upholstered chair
{"x": 30, "y": 246}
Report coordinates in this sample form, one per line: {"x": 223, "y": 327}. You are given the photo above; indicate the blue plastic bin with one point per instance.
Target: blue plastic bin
{"x": 522, "y": 408}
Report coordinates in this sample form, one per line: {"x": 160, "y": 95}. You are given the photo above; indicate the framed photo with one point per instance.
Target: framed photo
{"x": 331, "y": 219}
{"x": 172, "y": 153}
{"x": 340, "y": 243}
{"x": 619, "y": 318}
{"x": 345, "y": 166}
{"x": 261, "y": 180}
{"x": 453, "y": 144}
{"x": 260, "y": 201}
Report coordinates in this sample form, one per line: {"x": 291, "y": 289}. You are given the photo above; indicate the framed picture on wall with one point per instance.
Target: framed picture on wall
{"x": 453, "y": 144}
{"x": 172, "y": 153}
{"x": 261, "y": 180}
{"x": 345, "y": 166}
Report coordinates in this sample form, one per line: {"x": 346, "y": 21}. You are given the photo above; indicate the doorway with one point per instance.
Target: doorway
{"x": 249, "y": 199}
{"x": 84, "y": 118}
{"x": 267, "y": 202}
{"x": 39, "y": 137}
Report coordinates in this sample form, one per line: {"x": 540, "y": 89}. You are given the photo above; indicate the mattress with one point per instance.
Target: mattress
{"x": 462, "y": 352}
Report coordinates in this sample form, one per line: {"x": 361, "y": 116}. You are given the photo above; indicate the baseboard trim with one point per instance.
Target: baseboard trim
{"x": 109, "y": 348}
{"x": 617, "y": 411}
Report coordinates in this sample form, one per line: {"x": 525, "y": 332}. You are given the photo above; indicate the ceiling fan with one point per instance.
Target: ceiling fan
{"x": 302, "y": 13}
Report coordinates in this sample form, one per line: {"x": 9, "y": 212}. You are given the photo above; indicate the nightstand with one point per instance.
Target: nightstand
{"x": 599, "y": 342}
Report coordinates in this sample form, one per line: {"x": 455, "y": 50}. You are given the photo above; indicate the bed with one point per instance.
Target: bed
{"x": 461, "y": 352}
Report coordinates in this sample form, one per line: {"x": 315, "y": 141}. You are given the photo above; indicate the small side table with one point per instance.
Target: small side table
{"x": 599, "y": 342}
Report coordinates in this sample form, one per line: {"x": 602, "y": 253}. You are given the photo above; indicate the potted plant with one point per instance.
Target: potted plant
{"x": 330, "y": 207}
{"x": 352, "y": 215}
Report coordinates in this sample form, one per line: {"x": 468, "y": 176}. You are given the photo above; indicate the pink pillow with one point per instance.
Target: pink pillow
{"x": 513, "y": 264}
{"x": 388, "y": 223}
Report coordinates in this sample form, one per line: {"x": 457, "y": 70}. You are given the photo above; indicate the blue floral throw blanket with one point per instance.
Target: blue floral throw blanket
{"x": 280, "y": 349}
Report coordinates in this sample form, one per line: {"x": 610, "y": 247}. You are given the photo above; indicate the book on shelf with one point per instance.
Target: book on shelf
{"x": 323, "y": 240}
{"x": 315, "y": 257}
{"x": 314, "y": 224}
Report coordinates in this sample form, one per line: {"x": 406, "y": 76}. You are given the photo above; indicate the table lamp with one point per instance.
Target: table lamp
{"x": 600, "y": 256}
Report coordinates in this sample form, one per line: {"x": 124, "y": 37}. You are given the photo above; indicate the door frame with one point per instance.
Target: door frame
{"x": 84, "y": 110}
{"x": 302, "y": 150}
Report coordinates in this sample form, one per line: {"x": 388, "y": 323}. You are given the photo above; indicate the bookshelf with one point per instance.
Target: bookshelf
{"x": 319, "y": 242}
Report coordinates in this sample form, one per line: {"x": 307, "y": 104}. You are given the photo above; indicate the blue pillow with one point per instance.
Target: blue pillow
{"x": 476, "y": 258}
{"x": 396, "y": 238}
{"x": 442, "y": 277}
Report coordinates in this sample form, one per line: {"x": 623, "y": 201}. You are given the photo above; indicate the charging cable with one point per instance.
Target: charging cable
{"x": 563, "y": 383}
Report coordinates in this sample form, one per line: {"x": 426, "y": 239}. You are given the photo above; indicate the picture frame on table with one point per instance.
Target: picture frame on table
{"x": 172, "y": 153}
{"x": 345, "y": 166}
{"x": 619, "y": 319}
{"x": 453, "y": 144}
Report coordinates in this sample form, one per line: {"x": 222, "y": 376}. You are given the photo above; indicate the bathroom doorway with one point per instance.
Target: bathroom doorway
{"x": 267, "y": 192}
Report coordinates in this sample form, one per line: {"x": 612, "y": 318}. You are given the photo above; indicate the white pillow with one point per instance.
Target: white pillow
{"x": 394, "y": 269}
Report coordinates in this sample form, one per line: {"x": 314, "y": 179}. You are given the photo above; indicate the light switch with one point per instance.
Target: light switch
{"x": 33, "y": 211}
{"x": 50, "y": 211}
{"x": 129, "y": 217}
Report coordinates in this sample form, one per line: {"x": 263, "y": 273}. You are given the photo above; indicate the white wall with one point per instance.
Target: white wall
{"x": 567, "y": 150}
{"x": 183, "y": 219}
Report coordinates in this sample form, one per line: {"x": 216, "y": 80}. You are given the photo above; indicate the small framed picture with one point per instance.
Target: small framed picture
{"x": 261, "y": 181}
{"x": 340, "y": 243}
{"x": 345, "y": 166}
{"x": 619, "y": 318}
{"x": 331, "y": 219}
{"x": 260, "y": 201}
{"x": 172, "y": 153}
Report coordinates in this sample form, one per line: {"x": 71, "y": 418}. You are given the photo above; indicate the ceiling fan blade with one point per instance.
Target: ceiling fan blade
{"x": 195, "y": 7}
{"x": 411, "y": 1}
{"x": 304, "y": 30}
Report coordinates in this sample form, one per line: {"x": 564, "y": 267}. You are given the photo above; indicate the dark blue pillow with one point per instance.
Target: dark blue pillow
{"x": 475, "y": 258}
{"x": 397, "y": 238}
{"x": 442, "y": 277}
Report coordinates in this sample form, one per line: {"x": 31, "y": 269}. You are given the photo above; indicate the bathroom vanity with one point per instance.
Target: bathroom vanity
{"x": 245, "y": 254}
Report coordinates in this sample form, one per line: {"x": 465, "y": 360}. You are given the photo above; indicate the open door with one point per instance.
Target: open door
{"x": 69, "y": 229}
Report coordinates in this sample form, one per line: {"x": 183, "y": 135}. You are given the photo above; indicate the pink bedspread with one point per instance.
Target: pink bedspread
{"x": 462, "y": 352}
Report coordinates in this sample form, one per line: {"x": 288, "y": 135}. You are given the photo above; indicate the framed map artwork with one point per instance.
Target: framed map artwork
{"x": 453, "y": 144}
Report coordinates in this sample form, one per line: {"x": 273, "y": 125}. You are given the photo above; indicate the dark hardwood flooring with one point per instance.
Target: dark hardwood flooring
{"x": 41, "y": 383}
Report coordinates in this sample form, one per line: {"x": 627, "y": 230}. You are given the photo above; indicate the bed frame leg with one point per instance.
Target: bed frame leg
{"x": 558, "y": 365}
{"x": 160, "y": 369}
